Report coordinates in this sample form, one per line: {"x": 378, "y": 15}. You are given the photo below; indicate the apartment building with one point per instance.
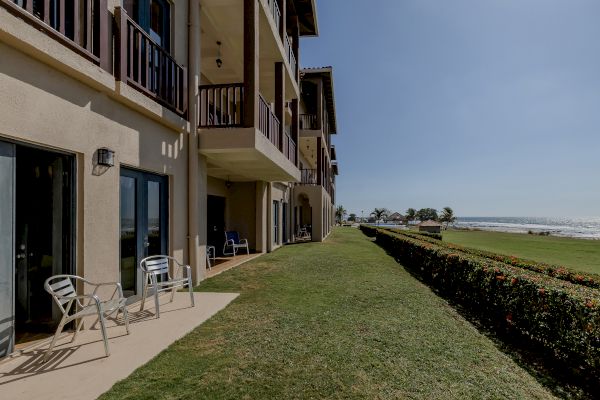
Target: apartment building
{"x": 314, "y": 195}
{"x": 139, "y": 128}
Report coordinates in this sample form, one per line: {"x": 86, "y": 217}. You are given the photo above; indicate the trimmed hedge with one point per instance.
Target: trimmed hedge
{"x": 372, "y": 229}
{"x": 565, "y": 274}
{"x": 561, "y": 316}
{"x": 368, "y": 230}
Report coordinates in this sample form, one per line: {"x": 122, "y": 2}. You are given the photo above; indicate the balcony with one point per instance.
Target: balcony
{"x": 289, "y": 53}
{"x": 308, "y": 122}
{"x": 147, "y": 67}
{"x": 80, "y": 25}
{"x": 264, "y": 152}
{"x": 309, "y": 177}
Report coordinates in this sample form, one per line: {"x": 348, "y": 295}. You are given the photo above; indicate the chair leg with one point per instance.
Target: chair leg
{"x": 79, "y": 324}
{"x": 156, "y": 303}
{"x": 126, "y": 318}
{"x": 56, "y": 335}
{"x": 104, "y": 334}
{"x": 191, "y": 290}
{"x": 144, "y": 294}
{"x": 172, "y": 294}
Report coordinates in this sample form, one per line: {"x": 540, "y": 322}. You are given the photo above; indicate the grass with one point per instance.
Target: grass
{"x": 577, "y": 254}
{"x": 339, "y": 319}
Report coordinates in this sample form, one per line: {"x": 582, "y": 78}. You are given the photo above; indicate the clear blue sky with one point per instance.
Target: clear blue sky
{"x": 491, "y": 107}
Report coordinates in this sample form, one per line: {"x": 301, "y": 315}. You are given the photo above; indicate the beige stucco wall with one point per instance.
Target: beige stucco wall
{"x": 240, "y": 206}
{"x": 320, "y": 202}
{"x": 50, "y": 109}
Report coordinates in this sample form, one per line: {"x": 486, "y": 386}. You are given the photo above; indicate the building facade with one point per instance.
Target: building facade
{"x": 142, "y": 127}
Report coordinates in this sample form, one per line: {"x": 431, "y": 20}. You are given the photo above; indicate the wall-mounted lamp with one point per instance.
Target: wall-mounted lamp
{"x": 228, "y": 184}
{"x": 106, "y": 157}
{"x": 219, "y": 60}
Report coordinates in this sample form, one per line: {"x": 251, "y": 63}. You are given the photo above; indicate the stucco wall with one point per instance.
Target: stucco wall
{"x": 45, "y": 107}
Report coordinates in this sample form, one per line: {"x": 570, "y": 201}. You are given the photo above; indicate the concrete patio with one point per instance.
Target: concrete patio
{"x": 222, "y": 264}
{"x": 79, "y": 370}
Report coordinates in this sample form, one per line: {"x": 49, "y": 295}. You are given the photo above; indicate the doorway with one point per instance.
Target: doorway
{"x": 36, "y": 241}
{"x": 215, "y": 223}
{"x": 144, "y": 223}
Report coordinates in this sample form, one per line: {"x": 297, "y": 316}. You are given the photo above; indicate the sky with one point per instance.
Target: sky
{"x": 491, "y": 107}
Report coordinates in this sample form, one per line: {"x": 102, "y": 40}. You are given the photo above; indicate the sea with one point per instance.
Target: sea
{"x": 583, "y": 228}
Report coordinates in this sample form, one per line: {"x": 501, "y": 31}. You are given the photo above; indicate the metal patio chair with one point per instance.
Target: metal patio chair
{"x": 211, "y": 256}
{"x": 63, "y": 292}
{"x": 234, "y": 243}
{"x": 157, "y": 276}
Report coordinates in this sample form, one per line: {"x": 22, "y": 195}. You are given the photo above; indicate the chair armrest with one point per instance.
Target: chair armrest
{"x": 229, "y": 242}
{"x": 243, "y": 241}
{"x": 117, "y": 285}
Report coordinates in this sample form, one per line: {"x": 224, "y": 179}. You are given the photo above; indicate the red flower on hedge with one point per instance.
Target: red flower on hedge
{"x": 513, "y": 281}
{"x": 509, "y": 318}
{"x": 542, "y": 291}
{"x": 501, "y": 277}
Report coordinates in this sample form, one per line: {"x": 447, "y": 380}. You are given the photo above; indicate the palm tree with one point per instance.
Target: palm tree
{"x": 411, "y": 214}
{"x": 379, "y": 214}
{"x": 447, "y": 216}
{"x": 340, "y": 212}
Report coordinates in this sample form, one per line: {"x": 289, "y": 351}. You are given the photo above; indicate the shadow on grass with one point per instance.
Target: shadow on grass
{"x": 560, "y": 377}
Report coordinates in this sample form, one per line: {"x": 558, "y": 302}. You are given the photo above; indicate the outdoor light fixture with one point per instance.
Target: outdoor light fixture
{"x": 106, "y": 157}
{"x": 219, "y": 61}
{"x": 228, "y": 184}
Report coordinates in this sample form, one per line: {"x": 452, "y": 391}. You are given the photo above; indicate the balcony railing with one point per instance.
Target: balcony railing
{"x": 309, "y": 177}
{"x": 275, "y": 12}
{"x": 268, "y": 123}
{"x": 221, "y": 106}
{"x": 289, "y": 148}
{"x": 289, "y": 52}
{"x": 148, "y": 67}
{"x": 81, "y": 25}
{"x": 308, "y": 121}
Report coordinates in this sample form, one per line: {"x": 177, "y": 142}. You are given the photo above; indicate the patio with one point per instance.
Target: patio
{"x": 222, "y": 264}
{"x": 80, "y": 371}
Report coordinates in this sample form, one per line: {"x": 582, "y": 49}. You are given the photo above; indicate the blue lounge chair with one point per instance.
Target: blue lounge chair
{"x": 233, "y": 243}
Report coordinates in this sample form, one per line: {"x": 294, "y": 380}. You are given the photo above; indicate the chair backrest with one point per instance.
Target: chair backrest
{"x": 156, "y": 264}
{"x": 61, "y": 289}
{"x": 234, "y": 236}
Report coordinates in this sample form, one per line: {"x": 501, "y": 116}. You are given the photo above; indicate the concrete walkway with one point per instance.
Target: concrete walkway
{"x": 80, "y": 371}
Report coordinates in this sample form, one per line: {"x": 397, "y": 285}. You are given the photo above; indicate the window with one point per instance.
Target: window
{"x": 275, "y": 222}
{"x": 154, "y": 16}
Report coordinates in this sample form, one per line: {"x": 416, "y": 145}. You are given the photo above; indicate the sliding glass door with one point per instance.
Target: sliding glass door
{"x": 7, "y": 259}
{"x": 144, "y": 223}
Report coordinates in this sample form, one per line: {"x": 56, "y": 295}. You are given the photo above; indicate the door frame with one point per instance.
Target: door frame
{"x": 73, "y": 218}
{"x": 142, "y": 177}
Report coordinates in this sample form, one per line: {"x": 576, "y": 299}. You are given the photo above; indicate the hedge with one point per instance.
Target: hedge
{"x": 579, "y": 278}
{"x": 561, "y": 316}
{"x": 372, "y": 229}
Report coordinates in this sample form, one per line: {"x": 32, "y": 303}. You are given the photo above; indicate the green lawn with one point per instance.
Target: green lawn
{"x": 578, "y": 254}
{"x": 335, "y": 320}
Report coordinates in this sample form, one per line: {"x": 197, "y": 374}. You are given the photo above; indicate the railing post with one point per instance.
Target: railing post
{"x": 121, "y": 44}
{"x": 103, "y": 31}
{"x": 295, "y": 127}
{"x": 280, "y": 100}
{"x": 251, "y": 71}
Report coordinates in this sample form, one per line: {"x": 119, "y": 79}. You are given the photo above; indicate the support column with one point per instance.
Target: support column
{"x": 320, "y": 124}
{"x": 296, "y": 44}
{"x": 196, "y": 258}
{"x": 280, "y": 100}
{"x": 319, "y": 162}
{"x": 251, "y": 64}
{"x": 261, "y": 217}
{"x": 296, "y": 128}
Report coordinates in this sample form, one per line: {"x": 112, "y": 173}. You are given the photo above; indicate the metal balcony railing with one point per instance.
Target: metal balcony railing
{"x": 221, "y": 106}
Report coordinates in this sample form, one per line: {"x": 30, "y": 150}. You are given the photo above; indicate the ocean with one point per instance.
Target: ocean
{"x": 585, "y": 228}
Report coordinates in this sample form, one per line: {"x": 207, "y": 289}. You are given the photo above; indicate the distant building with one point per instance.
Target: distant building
{"x": 395, "y": 217}
{"x": 430, "y": 226}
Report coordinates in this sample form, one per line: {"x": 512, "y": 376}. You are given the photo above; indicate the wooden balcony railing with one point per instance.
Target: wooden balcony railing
{"x": 308, "y": 121}
{"x": 309, "y": 177}
{"x": 81, "y": 25}
{"x": 275, "y": 12}
{"x": 289, "y": 52}
{"x": 148, "y": 67}
{"x": 268, "y": 123}
{"x": 221, "y": 106}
